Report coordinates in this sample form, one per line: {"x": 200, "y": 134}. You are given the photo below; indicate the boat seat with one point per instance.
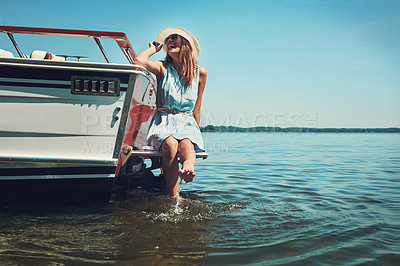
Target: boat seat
{"x": 6, "y": 54}
{"x": 37, "y": 54}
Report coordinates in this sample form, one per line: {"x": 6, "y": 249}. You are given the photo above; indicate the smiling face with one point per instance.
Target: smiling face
{"x": 180, "y": 53}
{"x": 173, "y": 43}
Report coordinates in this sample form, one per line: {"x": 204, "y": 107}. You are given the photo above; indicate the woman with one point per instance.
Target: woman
{"x": 180, "y": 86}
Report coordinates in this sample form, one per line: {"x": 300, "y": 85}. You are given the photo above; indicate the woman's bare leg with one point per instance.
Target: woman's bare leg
{"x": 170, "y": 165}
{"x": 188, "y": 159}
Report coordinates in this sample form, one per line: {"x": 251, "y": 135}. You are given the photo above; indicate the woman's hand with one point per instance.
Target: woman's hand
{"x": 155, "y": 67}
{"x": 157, "y": 46}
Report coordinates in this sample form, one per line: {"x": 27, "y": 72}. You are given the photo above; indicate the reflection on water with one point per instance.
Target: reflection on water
{"x": 263, "y": 199}
{"x": 146, "y": 228}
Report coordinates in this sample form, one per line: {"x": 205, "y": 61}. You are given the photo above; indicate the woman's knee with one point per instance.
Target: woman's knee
{"x": 170, "y": 147}
{"x": 186, "y": 145}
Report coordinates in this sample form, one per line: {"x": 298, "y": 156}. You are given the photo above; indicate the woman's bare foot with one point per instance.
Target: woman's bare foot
{"x": 177, "y": 197}
{"x": 187, "y": 172}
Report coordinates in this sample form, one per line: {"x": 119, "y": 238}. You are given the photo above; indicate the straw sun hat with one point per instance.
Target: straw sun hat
{"x": 182, "y": 32}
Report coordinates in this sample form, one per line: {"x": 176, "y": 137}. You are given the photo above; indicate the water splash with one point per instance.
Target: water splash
{"x": 178, "y": 209}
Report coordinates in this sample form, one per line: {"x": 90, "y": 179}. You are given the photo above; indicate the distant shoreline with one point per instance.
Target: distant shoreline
{"x": 211, "y": 128}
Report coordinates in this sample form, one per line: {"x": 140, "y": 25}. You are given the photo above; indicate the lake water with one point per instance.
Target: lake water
{"x": 260, "y": 198}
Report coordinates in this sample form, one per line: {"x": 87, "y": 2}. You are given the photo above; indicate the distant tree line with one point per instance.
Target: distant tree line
{"x": 211, "y": 128}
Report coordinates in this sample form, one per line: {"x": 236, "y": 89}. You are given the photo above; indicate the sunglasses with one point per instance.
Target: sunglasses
{"x": 172, "y": 36}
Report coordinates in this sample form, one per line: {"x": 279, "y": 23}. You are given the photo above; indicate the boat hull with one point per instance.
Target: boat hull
{"x": 55, "y": 191}
{"x": 64, "y": 120}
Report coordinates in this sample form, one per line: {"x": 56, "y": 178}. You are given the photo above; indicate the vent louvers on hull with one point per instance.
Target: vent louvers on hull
{"x": 100, "y": 86}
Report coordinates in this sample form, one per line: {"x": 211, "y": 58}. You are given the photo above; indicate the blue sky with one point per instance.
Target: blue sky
{"x": 285, "y": 63}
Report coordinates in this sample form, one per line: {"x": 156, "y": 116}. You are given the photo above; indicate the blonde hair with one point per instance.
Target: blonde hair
{"x": 188, "y": 62}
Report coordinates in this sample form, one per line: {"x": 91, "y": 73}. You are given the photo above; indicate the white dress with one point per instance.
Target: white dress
{"x": 172, "y": 95}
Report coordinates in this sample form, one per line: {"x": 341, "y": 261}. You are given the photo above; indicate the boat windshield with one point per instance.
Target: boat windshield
{"x": 67, "y": 45}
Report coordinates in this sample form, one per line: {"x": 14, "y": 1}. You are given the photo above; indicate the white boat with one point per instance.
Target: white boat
{"x": 64, "y": 123}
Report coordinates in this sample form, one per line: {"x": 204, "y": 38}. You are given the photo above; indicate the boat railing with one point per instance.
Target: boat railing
{"x": 120, "y": 38}
{"x": 49, "y": 59}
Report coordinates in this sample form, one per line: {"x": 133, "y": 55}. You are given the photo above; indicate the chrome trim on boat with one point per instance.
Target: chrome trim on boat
{"x": 88, "y": 162}
{"x": 103, "y": 52}
{"x": 14, "y": 43}
{"x": 56, "y": 177}
{"x": 26, "y": 63}
{"x": 39, "y": 81}
{"x": 125, "y": 114}
{"x": 128, "y": 55}
{"x": 72, "y": 63}
{"x": 4, "y": 133}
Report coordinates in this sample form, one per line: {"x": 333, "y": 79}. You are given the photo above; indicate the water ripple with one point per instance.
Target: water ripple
{"x": 267, "y": 199}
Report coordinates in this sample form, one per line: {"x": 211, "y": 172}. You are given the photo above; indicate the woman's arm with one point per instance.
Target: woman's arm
{"x": 202, "y": 85}
{"x": 155, "y": 67}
